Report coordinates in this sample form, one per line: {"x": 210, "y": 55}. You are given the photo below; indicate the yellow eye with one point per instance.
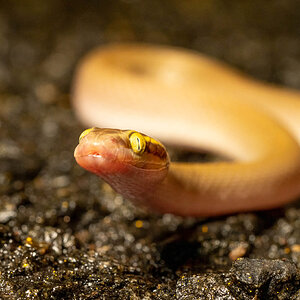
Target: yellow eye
{"x": 84, "y": 133}
{"x": 137, "y": 142}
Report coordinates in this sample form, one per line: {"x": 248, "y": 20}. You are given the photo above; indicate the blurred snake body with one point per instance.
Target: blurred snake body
{"x": 185, "y": 99}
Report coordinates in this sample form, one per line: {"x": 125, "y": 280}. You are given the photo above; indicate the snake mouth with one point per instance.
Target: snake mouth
{"x": 78, "y": 155}
{"x": 99, "y": 162}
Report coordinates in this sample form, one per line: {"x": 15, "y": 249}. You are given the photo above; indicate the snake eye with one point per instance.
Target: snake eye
{"x": 84, "y": 133}
{"x": 137, "y": 142}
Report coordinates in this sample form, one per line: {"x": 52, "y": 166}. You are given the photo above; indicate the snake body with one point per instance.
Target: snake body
{"x": 188, "y": 100}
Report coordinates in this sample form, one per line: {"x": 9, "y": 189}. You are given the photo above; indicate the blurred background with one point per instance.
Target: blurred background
{"x": 55, "y": 216}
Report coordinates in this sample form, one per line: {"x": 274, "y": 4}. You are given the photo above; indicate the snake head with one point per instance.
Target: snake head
{"x": 123, "y": 158}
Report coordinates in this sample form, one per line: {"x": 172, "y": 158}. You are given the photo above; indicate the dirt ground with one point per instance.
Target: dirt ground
{"x": 66, "y": 235}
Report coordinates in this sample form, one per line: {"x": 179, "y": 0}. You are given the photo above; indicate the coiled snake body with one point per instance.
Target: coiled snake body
{"x": 186, "y": 99}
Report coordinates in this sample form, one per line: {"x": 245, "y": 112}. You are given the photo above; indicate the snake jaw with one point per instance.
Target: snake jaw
{"x": 98, "y": 155}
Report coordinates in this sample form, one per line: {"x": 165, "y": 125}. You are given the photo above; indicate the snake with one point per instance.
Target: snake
{"x": 185, "y": 99}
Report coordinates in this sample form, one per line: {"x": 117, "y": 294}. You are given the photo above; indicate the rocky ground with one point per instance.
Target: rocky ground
{"x": 63, "y": 234}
